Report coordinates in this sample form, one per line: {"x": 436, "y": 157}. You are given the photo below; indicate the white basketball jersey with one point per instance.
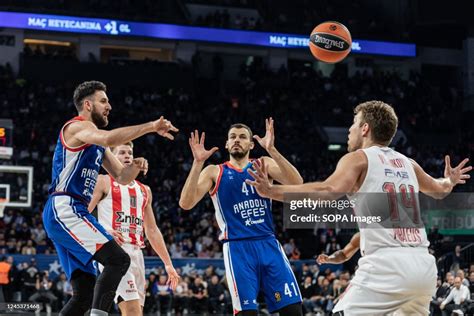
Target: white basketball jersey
{"x": 390, "y": 189}
{"x": 123, "y": 210}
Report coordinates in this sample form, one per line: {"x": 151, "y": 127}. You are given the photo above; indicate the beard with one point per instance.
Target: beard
{"x": 98, "y": 119}
{"x": 238, "y": 154}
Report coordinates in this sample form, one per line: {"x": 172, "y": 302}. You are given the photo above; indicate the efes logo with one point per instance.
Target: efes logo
{"x": 277, "y": 296}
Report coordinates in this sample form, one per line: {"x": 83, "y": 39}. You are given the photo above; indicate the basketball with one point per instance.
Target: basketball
{"x": 330, "y": 42}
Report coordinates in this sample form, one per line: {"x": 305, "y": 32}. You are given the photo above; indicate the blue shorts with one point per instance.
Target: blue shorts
{"x": 76, "y": 234}
{"x": 254, "y": 266}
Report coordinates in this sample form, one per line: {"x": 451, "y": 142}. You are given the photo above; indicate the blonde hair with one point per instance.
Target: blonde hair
{"x": 126, "y": 144}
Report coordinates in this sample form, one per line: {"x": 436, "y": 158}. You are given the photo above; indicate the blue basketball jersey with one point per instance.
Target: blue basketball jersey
{"x": 75, "y": 170}
{"x": 240, "y": 212}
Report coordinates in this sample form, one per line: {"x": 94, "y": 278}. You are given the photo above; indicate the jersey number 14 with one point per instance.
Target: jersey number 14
{"x": 408, "y": 200}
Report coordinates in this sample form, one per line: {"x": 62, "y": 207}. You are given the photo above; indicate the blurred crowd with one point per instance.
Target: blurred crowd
{"x": 299, "y": 98}
{"x": 207, "y": 293}
{"x": 299, "y": 16}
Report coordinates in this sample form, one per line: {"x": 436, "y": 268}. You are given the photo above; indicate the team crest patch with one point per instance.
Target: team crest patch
{"x": 115, "y": 187}
{"x": 277, "y": 296}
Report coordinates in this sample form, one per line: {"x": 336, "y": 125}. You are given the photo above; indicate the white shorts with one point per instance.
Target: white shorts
{"x": 391, "y": 281}
{"x": 132, "y": 285}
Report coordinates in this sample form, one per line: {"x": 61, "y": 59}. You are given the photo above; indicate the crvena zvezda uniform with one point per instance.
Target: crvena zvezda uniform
{"x": 76, "y": 234}
{"x": 396, "y": 272}
{"x": 254, "y": 260}
{"x": 123, "y": 210}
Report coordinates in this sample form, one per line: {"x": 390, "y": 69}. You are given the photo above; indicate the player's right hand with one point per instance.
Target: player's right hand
{"x": 322, "y": 259}
{"x": 200, "y": 153}
{"x": 173, "y": 277}
{"x": 117, "y": 236}
{"x": 458, "y": 174}
{"x": 262, "y": 182}
{"x": 163, "y": 127}
{"x": 142, "y": 164}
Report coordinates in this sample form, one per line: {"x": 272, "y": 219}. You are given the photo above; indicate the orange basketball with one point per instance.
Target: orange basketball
{"x": 330, "y": 42}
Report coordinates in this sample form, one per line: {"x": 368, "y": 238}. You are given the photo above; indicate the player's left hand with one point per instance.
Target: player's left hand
{"x": 142, "y": 164}
{"x": 164, "y": 128}
{"x": 268, "y": 141}
{"x": 261, "y": 183}
{"x": 458, "y": 174}
{"x": 173, "y": 277}
{"x": 322, "y": 259}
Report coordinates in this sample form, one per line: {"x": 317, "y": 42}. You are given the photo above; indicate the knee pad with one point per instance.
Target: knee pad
{"x": 292, "y": 310}
{"x": 113, "y": 256}
{"x": 124, "y": 263}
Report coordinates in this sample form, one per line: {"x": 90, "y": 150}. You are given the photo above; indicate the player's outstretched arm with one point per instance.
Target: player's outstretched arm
{"x": 157, "y": 242}
{"x": 123, "y": 174}
{"x": 279, "y": 168}
{"x": 85, "y": 132}
{"x": 349, "y": 168}
{"x": 440, "y": 188}
{"x": 342, "y": 255}
{"x": 199, "y": 181}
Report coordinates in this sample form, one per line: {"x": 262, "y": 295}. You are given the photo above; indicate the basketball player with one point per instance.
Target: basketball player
{"x": 254, "y": 260}
{"x": 396, "y": 272}
{"x": 126, "y": 212}
{"x": 342, "y": 255}
{"x": 80, "y": 151}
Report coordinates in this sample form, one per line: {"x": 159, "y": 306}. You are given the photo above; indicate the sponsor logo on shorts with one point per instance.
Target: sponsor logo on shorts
{"x": 131, "y": 291}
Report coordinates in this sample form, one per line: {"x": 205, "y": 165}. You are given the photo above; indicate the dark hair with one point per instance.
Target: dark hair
{"x": 240, "y": 125}
{"x": 381, "y": 118}
{"x": 86, "y": 89}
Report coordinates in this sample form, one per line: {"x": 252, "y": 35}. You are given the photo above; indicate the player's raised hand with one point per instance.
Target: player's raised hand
{"x": 261, "y": 183}
{"x": 196, "y": 143}
{"x": 142, "y": 164}
{"x": 163, "y": 127}
{"x": 268, "y": 141}
{"x": 173, "y": 277}
{"x": 458, "y": 174}
{"x": 322, "y": 259}
{"x": 117, "y": 236}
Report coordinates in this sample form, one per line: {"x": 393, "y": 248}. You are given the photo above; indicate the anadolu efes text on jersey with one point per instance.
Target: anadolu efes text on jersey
{"x": 240, "y": 212}
{"x": 75, "y": 169}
